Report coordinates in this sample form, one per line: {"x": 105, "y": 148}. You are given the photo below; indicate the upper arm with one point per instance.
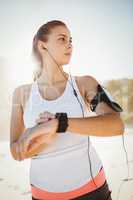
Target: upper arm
{"x": 91, "y": 85}
{"x": 16, "y": 121}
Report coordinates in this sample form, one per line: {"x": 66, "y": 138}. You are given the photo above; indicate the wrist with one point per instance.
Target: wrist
{"x": 56, "y": 121}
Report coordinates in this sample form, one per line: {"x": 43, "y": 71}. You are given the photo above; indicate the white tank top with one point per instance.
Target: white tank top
{"x": 66, "y": 160}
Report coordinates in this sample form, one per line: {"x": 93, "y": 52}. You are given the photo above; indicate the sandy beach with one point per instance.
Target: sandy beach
{"x": 14, "y": 178}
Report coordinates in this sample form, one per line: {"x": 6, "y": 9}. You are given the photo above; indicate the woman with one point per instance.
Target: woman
{"x": 51, "y": 123}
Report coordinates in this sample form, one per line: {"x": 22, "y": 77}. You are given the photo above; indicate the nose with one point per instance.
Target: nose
{"x": 69, "y": 45}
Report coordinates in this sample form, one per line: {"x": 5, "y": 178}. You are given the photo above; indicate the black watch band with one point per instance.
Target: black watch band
{"x": 63, "y": 122}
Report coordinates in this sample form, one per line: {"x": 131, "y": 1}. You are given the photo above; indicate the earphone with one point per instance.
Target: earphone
{"x": 76, "y": 95}
{"x": 44, "y": 48}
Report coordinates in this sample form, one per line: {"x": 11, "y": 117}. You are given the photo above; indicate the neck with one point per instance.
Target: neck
{"x": 52, "y": 74}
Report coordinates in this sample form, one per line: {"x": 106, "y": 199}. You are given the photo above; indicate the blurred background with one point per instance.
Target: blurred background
{"x": 102, "y": 38}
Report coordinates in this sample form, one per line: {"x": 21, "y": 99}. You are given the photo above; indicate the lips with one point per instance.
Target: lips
{"x": 68, "y": 54}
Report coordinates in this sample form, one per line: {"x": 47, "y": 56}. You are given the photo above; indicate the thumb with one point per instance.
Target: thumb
{"x": 35, "y": 143}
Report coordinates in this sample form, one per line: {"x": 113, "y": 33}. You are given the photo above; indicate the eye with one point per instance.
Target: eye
{"x": 63, "y": 39}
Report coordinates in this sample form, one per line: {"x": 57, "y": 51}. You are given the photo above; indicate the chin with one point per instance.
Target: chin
{"x": 66, "y": 61}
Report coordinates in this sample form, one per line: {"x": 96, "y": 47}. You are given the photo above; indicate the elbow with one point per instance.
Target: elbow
{"x": 15, "y": 156}
{"x": 14, "y": 153}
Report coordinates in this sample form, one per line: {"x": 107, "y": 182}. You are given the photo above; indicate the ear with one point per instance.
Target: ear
{"x": 41, "y": 46}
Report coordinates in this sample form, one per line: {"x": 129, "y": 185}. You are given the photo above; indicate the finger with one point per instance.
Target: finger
{"x": 43, "y": 114}
{"x": 26, "y": 144}
{"x": 36, "y": 142}
{"x": 18, "y": 151}
{"x": 21, "y": 150}
{"x": 50, "y": 115}
{"x": 47, "y": 114}
{"x": 29, "y": 147}
{"x": 42, "y": 117}
{"x": 41, "y": 120}
{"x": 29, "y": 141}
{"x": 32, "y": 147}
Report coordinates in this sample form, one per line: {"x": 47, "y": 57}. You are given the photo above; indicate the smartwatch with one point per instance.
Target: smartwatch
{"x": 63, "y": 121}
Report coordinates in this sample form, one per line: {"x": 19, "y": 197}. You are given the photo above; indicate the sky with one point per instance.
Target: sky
{"x": 102, "y": 32}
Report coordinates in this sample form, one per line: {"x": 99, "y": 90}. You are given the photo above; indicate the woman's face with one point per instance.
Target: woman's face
{"x": 59, "y": 44}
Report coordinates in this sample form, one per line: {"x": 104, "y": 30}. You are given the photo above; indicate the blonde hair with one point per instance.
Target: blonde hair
{"x": 42, "y": 34}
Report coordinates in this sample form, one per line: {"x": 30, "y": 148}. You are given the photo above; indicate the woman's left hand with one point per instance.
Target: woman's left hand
{"x": 44, "y": 117}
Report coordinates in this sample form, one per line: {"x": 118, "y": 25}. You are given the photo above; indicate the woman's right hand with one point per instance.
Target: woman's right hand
{"x": 35, "y": 136}
{"x": 47, "y": 137}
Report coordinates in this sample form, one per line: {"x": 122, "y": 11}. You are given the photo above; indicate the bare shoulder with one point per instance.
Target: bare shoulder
{"x": 89, "y": 86}
{"x": 89, "y": 81}
{"x": 21, "y": 94}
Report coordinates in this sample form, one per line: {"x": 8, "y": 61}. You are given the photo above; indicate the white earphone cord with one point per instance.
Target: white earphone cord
{"x": 126, "y": 154}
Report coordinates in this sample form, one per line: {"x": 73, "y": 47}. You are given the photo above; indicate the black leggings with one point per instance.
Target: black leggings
{"x": 102, "y": 193}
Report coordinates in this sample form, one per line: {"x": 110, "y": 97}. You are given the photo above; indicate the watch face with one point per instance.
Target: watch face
{"x": 62, "y": 115}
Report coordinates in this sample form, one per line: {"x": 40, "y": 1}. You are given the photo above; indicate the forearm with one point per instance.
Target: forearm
{"x": 102, "y": 125}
